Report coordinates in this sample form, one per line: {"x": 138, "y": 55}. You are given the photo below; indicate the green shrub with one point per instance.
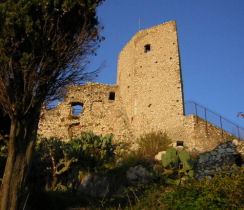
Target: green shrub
{"x": 63, "y": 161}
{"x": 56, "y": 162}
{"x": 152, "y": 143}
{"x": 92, "y": 150}
{"x": 132, "y": 159}
{"x": 224, "y": 191}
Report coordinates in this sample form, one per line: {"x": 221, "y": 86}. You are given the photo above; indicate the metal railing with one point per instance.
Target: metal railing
{"x": 206, "y": 114}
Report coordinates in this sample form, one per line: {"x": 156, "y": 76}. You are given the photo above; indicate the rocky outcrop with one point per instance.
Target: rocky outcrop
{"x": 159, "y": 155}
{"x": 223, "y": 156}
{"x": 228, "y": 154}
{"x": 138, "y": 175}
{"x": 100, "y": 186}
{"x": 94, "y": 185}
{"x": 207, "y": 164}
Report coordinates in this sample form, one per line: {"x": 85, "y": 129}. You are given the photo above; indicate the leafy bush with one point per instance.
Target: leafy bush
{"x": 132, "y": 159}
{"x": 63, "y": 161}
{"x": 152, "y": 143}
{"x": 56, "y": 162}
{"x": 93, "y": 150}
{"x": 224, "y": 191}
{"x": 53, "y": 155}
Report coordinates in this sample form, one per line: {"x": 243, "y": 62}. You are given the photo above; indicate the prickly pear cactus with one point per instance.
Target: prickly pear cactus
{"x": 177, "y": 164}
{"x": 170, "y": 159}
{"x": 186, "y": 162}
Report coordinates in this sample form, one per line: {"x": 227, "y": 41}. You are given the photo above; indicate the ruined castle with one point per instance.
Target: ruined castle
{"x": 148, "y": 97}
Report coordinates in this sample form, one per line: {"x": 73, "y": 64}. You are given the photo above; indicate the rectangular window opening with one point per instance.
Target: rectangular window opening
{"x": 147, "y": 48}
{"x": 180, "y": 143}
{"x": 111, "y": 96}
{"x": 77, "y": 108}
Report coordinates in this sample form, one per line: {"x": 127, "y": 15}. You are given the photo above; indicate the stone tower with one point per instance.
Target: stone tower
{"x": 148, "y": 97}
{"x": 149, "y": 79}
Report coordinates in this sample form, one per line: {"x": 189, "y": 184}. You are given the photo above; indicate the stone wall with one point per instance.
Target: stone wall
{"x": 208, "y": 136}
{"x": 149, "y": 79}
{"x": 99, "y": 114}
{"x": 198, "y": 134}
{"x": 148, "y": 97}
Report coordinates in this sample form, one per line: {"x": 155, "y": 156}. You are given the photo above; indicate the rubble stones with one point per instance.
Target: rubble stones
{"x": 94, "y": 185}
{"x": 159, "y": 155}
{"x": 99, "y": 186}
{"x": 224, "y": 155}
{"x": 138, "y": 175}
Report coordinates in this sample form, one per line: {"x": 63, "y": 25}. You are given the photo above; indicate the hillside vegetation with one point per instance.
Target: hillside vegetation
{"x": 60, "y": 168}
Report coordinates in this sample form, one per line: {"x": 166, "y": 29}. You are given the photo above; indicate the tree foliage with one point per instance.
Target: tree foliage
{"x": 44, "y": 46}
{"x": 5, "y": 125}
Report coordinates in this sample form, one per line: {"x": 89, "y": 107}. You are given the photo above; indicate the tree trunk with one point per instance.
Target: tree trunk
{"x": 21, "y": 144}
{"x": 54, "y": 181}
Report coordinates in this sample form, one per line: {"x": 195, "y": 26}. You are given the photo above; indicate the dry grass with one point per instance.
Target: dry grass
{"x": 152, "y": 143}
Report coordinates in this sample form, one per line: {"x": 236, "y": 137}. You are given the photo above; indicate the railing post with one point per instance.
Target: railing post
{"x": 221, "y": 126}
{"x": 196, "y": 111}
{"x": 205, "y": 113}
{"x": 238, "y": 130}
{"x": 205, "y": 116}
{"x": 224, "y": 123}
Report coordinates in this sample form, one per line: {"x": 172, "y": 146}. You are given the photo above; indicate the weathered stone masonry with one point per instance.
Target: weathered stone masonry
{"x": 148, "y": 97}
{"x": 99, "y": 113}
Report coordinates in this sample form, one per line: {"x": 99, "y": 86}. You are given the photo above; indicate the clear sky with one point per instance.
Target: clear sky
{"x": 211, "y": 41}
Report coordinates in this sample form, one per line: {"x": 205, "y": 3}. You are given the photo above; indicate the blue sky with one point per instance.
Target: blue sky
{"x": 211, "y": 41}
